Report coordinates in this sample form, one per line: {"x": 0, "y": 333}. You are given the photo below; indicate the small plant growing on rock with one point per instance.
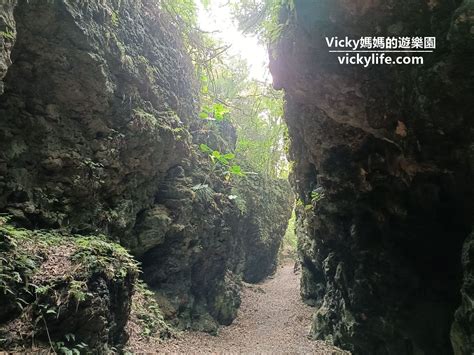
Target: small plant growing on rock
{"x": 45, "y": 279}
{"x": 69, "y": 346}
{"x": 222, "y": 162}
{"x": 216, "y": 112}
{"x": 114, "y": 18}
{"x": 78, "y": 292}
{"x": 7, "y": 34}
{"x": 149, "y": 314}
{"x": 317, "y": 195}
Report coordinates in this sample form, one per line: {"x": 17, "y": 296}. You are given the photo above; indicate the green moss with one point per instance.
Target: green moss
{"x": 225, "y": 307}
{"x": 114, "y": 19}
{"x": 144, "y": 119}
{"x": 239, "y": 201}
{"x": 147, "y": 315}
{"x": 95, "y": 254}
{"x": 17, "y": 263}
{"x": 45, "y": 275}
{"x": 7, "y": 34}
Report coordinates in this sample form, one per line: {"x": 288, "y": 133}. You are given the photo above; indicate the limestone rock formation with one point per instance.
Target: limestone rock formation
{"x": 62, "y": 288}
{"x": 263, "y": 202}
{"x": 97, "y": 106}
{"x": 462, "y": 330}
{"x": 383, "y": 173}
{"x": 8, "y": 35}
{"x": 92, "y": 110}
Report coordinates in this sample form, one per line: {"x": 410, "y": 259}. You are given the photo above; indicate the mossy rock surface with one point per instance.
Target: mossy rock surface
{"x": 63, "y": 291}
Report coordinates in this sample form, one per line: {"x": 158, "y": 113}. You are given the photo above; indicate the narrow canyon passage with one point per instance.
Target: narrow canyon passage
{"x": 159, "y": 158}
{"x": 271, "y": 319}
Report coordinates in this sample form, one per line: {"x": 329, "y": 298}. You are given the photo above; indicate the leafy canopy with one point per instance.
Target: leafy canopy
{"x": 227, "y": 93}
{"x": 260, "y": 17}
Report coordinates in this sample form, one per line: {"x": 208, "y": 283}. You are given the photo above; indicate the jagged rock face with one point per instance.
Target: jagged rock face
{"x": 93, "y": 113}
{"x": 462, "y": 331}
{"x": 196, "y": 254}
{"x": 7, "y": 29}
{"x": 265, "y": 202}
{"x": 198, "y": 263}
{"x": 383, "y": 171}
{"x": 95, "y": 124}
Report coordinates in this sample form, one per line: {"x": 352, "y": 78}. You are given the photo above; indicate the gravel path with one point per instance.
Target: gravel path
{"x": 272, "y": 319}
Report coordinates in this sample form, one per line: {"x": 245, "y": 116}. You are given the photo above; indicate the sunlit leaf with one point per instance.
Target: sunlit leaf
{"x": 205, "y": 148}
{"x": 236, "y": 170}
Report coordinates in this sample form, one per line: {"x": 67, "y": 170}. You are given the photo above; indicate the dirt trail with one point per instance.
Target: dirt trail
{"x": 272, "y": 319}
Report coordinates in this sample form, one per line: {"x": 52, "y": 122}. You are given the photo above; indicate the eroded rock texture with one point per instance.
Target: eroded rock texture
{"x": 95, "y": 119}
{"x": 384, "y": 159}
{"x": 262, "y": 202}
{"x": 209, "y": 242}
{"x": 54, "y": 285}
{"x": 7, "y": 29}
{"x": 91, "y": 112}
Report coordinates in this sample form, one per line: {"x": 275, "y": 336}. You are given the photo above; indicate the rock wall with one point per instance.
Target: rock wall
{"x": 262, "y": 202}
{"x": 383, "y": 172}
{"x": 8, "y": 35}
{"x": 95, "y": 118}
{"x": 62, "y": 289}
{"x": 209, "y": 242}
{"x": 92, "y": 111}
{"x": 462, "y": 334}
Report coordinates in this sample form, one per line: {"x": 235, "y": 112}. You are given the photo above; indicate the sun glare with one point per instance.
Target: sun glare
{"x": 218, "y": 19}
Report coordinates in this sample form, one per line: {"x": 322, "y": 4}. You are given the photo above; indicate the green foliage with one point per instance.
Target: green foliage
{"x": 261, "y": 17}
{"x": 316, "y": 196}
{"x": 206, "y": 3}
{"x": 236, "y": 170}
{"x": 97, "y": 255}
{"x": 114, "y": 18}
{"x": 228, "y": 93}
{"x": 216, "y": 156}
{"x": 205, "y": 52}
{"x": 17, "y": 264}
{"x": 260, "y": 130}
{"x": 78, "y": 291}
{"x": 147, "y": 314}
{"x": 8, "y": 34}
{"x": 43, "y": 273}
{"x": 183, "y": 12}
{"x": 205, "y": 148}
{"x": 290, "y": 235}
{"x": 69, "y": 346}
{"x": 222, "y": 162}
{"x": 257, "y": 113}
{"x": 215, "y": 112}
{"x": 202, "y": 48}
{"x": 290, "y": 240}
